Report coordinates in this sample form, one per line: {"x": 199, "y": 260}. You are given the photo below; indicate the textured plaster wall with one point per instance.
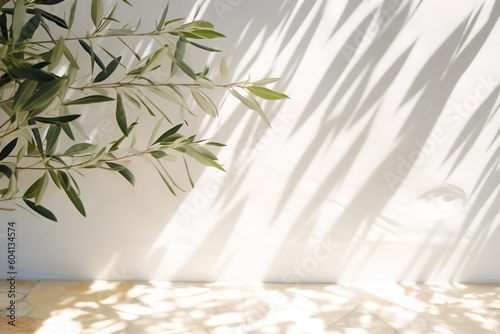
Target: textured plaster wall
{"x": 384, "y": 165}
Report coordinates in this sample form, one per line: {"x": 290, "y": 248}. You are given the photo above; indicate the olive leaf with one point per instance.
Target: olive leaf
{"x": 40, "y": 210}
{"x": 126, "y": 173}
{"x": 266, "y": 93}
{"x": 4, "y": 153}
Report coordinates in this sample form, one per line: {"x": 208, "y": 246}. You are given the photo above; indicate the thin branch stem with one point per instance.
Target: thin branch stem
{"x": 76, "y": 38}
{"x": 75, "y": 166}
{"x": 136, "y": 84}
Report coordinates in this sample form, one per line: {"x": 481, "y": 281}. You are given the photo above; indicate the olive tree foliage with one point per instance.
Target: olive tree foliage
{"x": 44, "y": 87}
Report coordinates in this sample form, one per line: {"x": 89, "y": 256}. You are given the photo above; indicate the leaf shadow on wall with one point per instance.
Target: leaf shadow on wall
{"x": 354, "y": 105}
{"x": 279, "y": 14}
{"x": 431, "y": 90}
{"x": 354, "y": 93}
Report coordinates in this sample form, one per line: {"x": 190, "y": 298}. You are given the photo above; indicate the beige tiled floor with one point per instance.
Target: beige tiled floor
{"x": 66, "y": 307}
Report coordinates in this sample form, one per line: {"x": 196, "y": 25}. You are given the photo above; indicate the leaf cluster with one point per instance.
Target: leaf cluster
{"x": 43, "y": 89}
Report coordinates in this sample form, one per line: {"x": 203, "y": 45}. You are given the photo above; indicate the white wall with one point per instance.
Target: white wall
{"x": 334, "y": 191}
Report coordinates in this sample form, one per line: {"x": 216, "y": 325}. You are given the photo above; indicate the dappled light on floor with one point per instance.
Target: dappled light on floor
{"x": 74, "y": 307}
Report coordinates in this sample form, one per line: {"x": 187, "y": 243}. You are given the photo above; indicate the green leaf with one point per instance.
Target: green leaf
{"x": 155, "y": 130}
{"x": 223, "y": 68}
{"x": 130, "y": 48}
{"x": 126, "y": 173}
{"x": 103, "y": 75}
{"x": 51, "y": 138}
{"x": 185, "y": 68}
{"x": 30, "y": 192}
{"x": 266, "y": 81}
{"x": 51, "y": 17}
{"x": 170, "y": 139}
{"x": 165, "y": 180}
{"x": 250, "y": 103}
{"x": 56, "y": 120}
{"x": 44, "y": 96}
{"x": 121, "y": 115}
{"x": 21, "y": 153}
{"x": 31, "y": 147}
{"x": 30, "y": 27}
{"x": 172, "y": 22}
{"x": 132, "y": 26}
{"x": 5, "y": 79}
{"x": 132, "y": 100}
{"x": 54, "y": 176}
{"x": 158, "y": 154}
{"x": 47, "y": 2}
{"x": 154, "y": 59}
{"x": 202, "y": 158}
{"x": 97, "y": 11}
{"x": 40, "y": 210}
{"x": 8, "y": 149}
{"x": 266, "y": 93}
{"x": 18, "y": 19}
{"x": 42, "y": 187}
{"x": 116, "y": 143}
{"x": 57, "y": 53}
{"x": 32, "y": 74}
{"x": 211, "y": 143}
{"x": 72, "y": 12}
{"x": 106, "y": 21}
{"x": 206, "y": 152}
{"x": 6, "y": 171}
{"x": 80, "y": 148}
{"x": 204, "y": 47}
{"x": 68, "y": 131}
{"x": 259, "y": 110}
{"x": 12, "y": 188}
{"x": 71, "y": 59}
{"x": 160, "y": 24}
{"x": 141, "y": 101}
{"x": 23, "y": 93}
{"x": 188, "y": 173}
{"x": 180, "y": 48}
{"x": 41, "y": 65}
{"x": 63, "y": 179}
{"x": 168, "y": 133}
{"x": 70, "y": 191}
{"x": 38, "y": 138}
{"x": 89, "y": 99}
{"x": 169, "y": 177}
{"x": 58, "y": 160}
{"x": 204, "y": 102}
{"x": 3, "y": 26}
{"x": 168, "y": 93}
{"x": 157, "y": 108}
{"x": 203, "y": 34}
{"x": 206, "y": 83}
{"x": 198, "y": 24}
{"x": 88, "y": 48}
{"x": 75, "y": 199}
